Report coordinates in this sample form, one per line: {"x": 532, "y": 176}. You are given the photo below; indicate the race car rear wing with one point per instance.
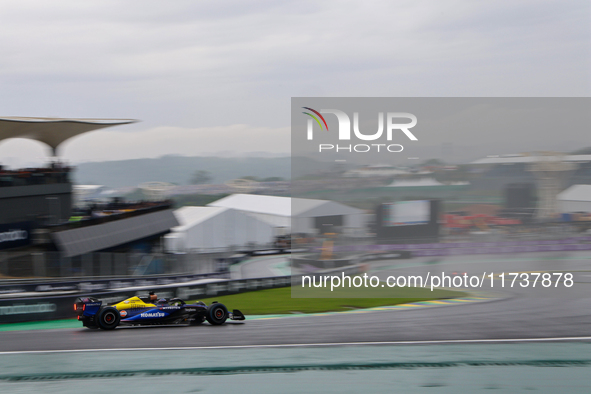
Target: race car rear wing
{"x": 87, "y": 306}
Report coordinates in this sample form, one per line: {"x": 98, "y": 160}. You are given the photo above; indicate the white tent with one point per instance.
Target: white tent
{"x": 214, "y": 229}
{"x": 524, "y": 158}
{"x": 296, "y": 215}
{"x": 576, "y": 198}
{"x": 424, "y": 182}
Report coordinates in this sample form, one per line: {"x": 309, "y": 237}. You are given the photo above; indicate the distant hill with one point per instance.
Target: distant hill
{"x": 178, "y": 170}
{"x": 583, "y": 151}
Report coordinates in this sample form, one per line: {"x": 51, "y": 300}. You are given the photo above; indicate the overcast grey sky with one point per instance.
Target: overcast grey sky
{"x": 205, "y": 77}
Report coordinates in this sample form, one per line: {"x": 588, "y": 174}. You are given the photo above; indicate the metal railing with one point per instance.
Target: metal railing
{"x": 15, "y": 265}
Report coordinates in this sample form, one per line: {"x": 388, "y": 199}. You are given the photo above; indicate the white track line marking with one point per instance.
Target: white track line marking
{"x": 296, "y": 345}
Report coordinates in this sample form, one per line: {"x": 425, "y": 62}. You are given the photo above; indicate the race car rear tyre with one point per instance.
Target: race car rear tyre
{"x": 216, "y": 314}
{"x": 108, "y": 318}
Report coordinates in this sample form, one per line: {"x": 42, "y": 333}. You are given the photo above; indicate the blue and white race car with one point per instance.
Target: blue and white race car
{"x": 145, "y": 311}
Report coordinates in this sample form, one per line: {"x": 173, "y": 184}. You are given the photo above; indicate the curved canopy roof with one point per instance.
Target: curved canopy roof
{"x": 52, "y": 131}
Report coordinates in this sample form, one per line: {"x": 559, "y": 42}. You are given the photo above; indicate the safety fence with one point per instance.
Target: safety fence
{"x": 465, "y": 248}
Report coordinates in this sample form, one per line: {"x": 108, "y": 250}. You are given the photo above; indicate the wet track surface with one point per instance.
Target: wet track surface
{"x": 261, "y": 267}
{"x": 544, "y": 367}
{"x": 518, "y": 313}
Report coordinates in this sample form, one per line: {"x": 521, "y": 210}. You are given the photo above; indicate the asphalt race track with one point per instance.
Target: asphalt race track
{"x": 260, "y": 267}
{"x": 510, "y": 313}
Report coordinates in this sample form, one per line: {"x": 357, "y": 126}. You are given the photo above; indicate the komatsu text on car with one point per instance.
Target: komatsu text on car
{"x": 141, "y": 311}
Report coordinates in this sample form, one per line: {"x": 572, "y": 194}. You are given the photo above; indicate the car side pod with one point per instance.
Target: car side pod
{"x": 237, "y": 315}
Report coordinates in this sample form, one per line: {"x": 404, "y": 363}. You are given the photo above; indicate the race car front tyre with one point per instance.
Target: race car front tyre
{"x": 216, "y": 314}
{"x": 108, "y": 318}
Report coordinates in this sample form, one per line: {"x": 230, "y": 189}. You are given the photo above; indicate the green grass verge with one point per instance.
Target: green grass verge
{"x": 41, "y": 325}
{"x": 279, "y": 301}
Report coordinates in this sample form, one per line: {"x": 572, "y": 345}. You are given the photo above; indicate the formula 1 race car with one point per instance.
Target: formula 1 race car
{"x": 140, "y": 311}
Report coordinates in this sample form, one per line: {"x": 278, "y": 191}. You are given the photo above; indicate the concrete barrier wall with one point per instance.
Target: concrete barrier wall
{"x": 99, "y": 284}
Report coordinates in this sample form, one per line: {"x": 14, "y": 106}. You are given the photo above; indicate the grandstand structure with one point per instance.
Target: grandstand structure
{"x": 31, "y": 197}
{"x": 36, "y": 204}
